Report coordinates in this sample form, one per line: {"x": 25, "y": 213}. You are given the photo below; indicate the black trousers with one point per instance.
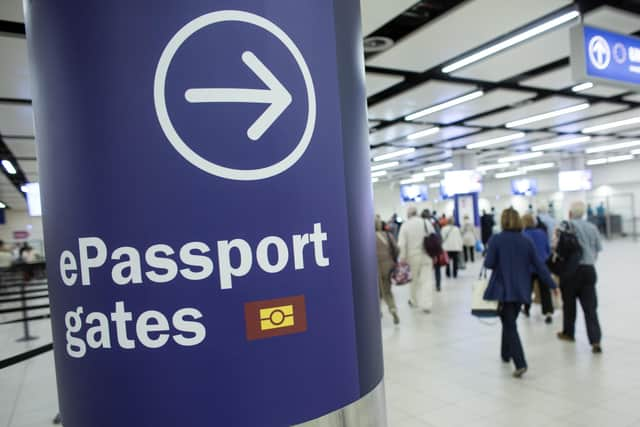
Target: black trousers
{"x": 511, "y": 347}
{"x": 545, "y": 298}
{"x": 469, "y": 253}
{"x": 453, "y": 259}
{"x": 581, "y": 286}
{"x": 438, "y": 272}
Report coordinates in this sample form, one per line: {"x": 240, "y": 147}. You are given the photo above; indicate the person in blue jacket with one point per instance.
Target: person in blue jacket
{"x": 512, "y": 258}
{"x": 541, "y": 242}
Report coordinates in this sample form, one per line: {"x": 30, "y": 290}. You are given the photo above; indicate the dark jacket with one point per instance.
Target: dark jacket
{"x": 540, "y": 241}
{"x": 512, "y": 258}
{"x": 486, "y": 227}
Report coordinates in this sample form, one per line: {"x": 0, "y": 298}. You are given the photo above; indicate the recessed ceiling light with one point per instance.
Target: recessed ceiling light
{"x": 423, "y": 133}
{"x": 518, "y": 38}
{"x": 549, "y": 115}
{"x": 424, "y": 175}
{"x": 374, "y": 180}
{"x": 494, "y": 141}
{"x": 411, "y": 180}
{"x": 8, "y": 166}
{"x": 595, "y": 162}
{"x": 612, "y": 147}
{"x": 519, "y": 157}
{"x": 611, "y": 125}
{"x": 378, "y": 174}
{"x": 562, "y": 143}
{"x": 582, "y": 86}
{"x": 394, "y": 154}
{"x": 486, "y": 168}
{"x": 537, "y": 167}
{"x": 439, "y": 167}
{"x": 445, "y": 105}
{"x": 616, "y": 159}
{"x": 384, "y": 166}
{"x": 434, "y": 185}
{"x": 503, "y": 175}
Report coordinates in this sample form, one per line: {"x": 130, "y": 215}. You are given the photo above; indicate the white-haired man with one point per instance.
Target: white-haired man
{"x": 581, "y": 285}
{"x": 411, "y": 239}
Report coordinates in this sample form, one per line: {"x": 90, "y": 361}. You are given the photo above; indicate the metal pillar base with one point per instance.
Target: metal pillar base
{"x": 370, "y": 411}
{"x": 27, "y": 338}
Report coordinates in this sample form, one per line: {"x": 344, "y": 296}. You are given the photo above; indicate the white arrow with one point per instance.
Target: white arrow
{"x": 277, "y": 96}
{"x": 601, "y": 52}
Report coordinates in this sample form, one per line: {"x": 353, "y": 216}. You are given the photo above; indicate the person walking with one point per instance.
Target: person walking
{"x": 437, "y": 268}
{"x": 411, "y": 240}
{"x": 581, "y": 284}
{"x": 387, "y": 253}
{"x": 486, "y": 226}
{"x": 512, "y": 258}
{"x": 469, "y": 239}
{"x": 452, "y": 244}
{"x": 547, "y": 221}
{"x": 541, "y": 243}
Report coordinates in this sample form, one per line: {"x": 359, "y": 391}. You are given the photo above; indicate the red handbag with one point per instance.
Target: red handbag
{"x": 442, "y": 259}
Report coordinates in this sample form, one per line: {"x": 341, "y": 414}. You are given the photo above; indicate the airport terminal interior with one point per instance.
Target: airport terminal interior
{"x": 475, "y": 108}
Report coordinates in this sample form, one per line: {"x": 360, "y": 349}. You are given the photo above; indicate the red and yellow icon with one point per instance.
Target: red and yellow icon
{"x": 272, "y": 318}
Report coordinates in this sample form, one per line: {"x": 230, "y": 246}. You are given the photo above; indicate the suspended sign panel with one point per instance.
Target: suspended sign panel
{"x": 604, "y": 56}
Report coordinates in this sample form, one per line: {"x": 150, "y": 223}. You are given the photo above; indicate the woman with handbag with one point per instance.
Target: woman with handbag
{"x": 452, "y": 244}
{"x": 512, "y": 258}
{"x": 387, "y": 253}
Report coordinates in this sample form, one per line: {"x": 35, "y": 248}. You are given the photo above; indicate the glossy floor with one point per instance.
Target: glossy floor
{"x": 444, "y": 369}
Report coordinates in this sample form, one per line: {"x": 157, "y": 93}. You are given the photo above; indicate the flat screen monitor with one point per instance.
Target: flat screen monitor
{"x": 524, "y": 187}
{"x": 414, "y": 193}
{"x": 33, "y": 198}
{"x": 461, "y": 182}
{"x": 579, "y": 180}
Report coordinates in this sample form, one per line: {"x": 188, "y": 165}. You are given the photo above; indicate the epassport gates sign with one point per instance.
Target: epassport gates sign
{"x": 207, "y": 211}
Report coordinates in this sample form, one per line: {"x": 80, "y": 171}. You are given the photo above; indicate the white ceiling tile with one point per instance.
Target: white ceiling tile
{"x": 422, "y": 96}
{"x": 577, "y": 127}
{"x": 610, "y": 18}
{"x": 14, "y": 68}
{"x": 554, "y": 80}
{"x": 16, "y": 119}
{"x": 461, "y": 30}
{"x": 633, "y": 98}
{"x": 11, "y": 10}
{"x": 543, "y": 106}
{"x": 490, "y": 101}
{"x": 379, "y": 82}
{"x": 630, "y": 133}
{"x": 604, "y": 91}
{"x": 376, "y": 13}
{"x": 21, "y": 147}
{"x": 394, "y": 132}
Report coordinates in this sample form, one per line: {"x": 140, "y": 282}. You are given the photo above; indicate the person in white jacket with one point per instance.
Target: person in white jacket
{"x": 412, "y": 234}
{"x": 452, "y": 244}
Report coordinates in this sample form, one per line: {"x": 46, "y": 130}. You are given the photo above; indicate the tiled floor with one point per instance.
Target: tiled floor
{"x": 444, "y": 369}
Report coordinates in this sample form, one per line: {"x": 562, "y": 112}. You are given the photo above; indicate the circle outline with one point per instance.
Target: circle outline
{"x": 594, "y": 62}
{"x": 165, "y": 120}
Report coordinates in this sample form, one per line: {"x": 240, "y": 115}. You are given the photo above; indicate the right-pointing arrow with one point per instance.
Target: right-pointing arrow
{"x": 277, "y": 96}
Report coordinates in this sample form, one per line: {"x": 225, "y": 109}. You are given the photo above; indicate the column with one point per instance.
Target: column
{"x": 208, "y": 212}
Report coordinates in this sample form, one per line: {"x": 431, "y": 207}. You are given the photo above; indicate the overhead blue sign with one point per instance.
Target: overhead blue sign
{"x": 207, "y": 210}
{"x": 604, "y": 56}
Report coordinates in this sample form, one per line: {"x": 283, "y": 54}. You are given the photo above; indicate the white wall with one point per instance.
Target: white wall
{"x": 613, "y": 180}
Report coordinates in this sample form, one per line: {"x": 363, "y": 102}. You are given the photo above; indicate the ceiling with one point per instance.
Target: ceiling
{"x": 530, "y": 78}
